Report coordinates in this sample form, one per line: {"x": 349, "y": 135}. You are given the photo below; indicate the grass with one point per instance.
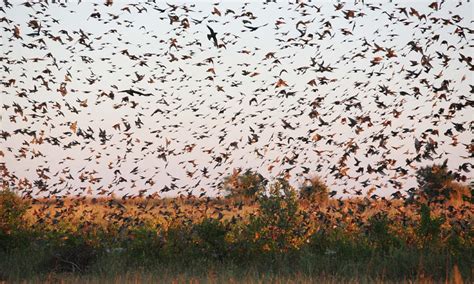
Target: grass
{"x": 277, "y": 239}
{"x": 401, "y": 266}
{"x": 187, "y": 278}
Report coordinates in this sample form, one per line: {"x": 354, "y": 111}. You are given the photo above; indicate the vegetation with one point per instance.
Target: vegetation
{"x": 12, "y": 209}
{"x": 437, "y": 185}
{"x": 315, "y": 190}
{"x": 247, "y": 185}
{"x": 280, "y": 236}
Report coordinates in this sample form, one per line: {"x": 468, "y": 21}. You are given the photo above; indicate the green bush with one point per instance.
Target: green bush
{"x": 179, "y": 243}
{"x": 143, "y": 243}
{"x": 13, "y": 233}
{"x": 379, "y": 233}
{"x": 12, "y": 210}
{"x": 429, "y": 229}
{"x": 337, "y": 244}
{"x": 281, "y": 225}
{"x": 72, "y": 253}
{"x": 211, "y": 237}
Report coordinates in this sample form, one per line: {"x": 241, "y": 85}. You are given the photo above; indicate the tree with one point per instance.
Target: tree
{"x": 437, "y": 185}
{"x": 12, "y": 210}
{"x": 245, "y": 185}
{"x": 280, "y": 225}
{"x": 314, "y": 190}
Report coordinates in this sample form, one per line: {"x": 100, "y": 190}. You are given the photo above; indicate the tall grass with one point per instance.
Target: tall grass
{"x": 277, "y": 239}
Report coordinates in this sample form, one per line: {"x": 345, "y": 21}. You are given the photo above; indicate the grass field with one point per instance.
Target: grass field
{"x": 278, "y": 239}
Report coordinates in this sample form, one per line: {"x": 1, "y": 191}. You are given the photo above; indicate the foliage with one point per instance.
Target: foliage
{"x": 74, "y": 254}
{"x": 438, "y": 185}
{"x": 460, "y": 193}
{"x": 429, "y": 229}
{"x": 247, "y": 185}
{"x": 280, "y": 226}
{"x": 315, "y": 190}
{"x": 433, "y": 182}
{"x": 12, "y": 229}
{"x": 146, "y": 243}
{"x": 387, "y": 240}
{"x": 12, "y": 210}
{"x": 211, "y": 238}
{"x": 179, "y": 242}
{"x": 379, "y": 232}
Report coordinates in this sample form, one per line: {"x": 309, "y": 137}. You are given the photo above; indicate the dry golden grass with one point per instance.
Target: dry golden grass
{"x": 164, "y": 212}
{"x": 150, "y": 211}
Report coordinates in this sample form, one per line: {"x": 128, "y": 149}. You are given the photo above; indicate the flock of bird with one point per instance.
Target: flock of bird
{"x": 154, "y": 98}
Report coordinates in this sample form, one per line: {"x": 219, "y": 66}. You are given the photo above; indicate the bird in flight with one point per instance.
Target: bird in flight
{"x": 212, "y": 36}
{"x": 134, "y": 92}
{"x": 295, "y": 89}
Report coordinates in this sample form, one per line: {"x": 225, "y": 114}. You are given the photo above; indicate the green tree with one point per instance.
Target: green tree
{"x": 246, "y": 185}
{"x": 429, "y": 228}
{"x": 12, "y": 210}
{"x": 434, "y": 183}
{"x": 280, "y": 225}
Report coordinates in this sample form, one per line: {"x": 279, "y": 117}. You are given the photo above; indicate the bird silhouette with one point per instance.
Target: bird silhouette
{"x": 212, "y": 36}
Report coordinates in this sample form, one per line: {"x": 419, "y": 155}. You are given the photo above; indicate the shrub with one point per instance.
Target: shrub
{"x": 145, "y": 243}
{"x": 179, "y": 245}
{"x": 379, "y": 232}
{"x": 13, "y": 233}
{"x": 339, "y": 244}
{"x": 281, "y": 225}
{"x": 247, "y": 185}
{"x": 314, "y": 190}
{"x": 429, "y": 228}
{"x": 12, "y": 210}
{"x": 73, "y": 253}
{"x": 437, "y": 185}
{"x": 211, "y": 235}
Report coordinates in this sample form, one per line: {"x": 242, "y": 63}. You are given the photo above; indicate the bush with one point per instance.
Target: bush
{"x": 459, "y": 193}
{"x": 314, "y": 190}
{"x": 281, "y": 225}
{"x": 145, "y": 243}
{"x": 72, "y": 253}
{"x": 379, "y": 232}
{"x": 247, "y": 185}
{"x": 178, "y": 243}
{"x": 335, "y": 243}
{"x": 429, "y": 229}
{"x": 211, "y": 235}
{"x": 12, "y": 210}
{"x": 437, "y": 185}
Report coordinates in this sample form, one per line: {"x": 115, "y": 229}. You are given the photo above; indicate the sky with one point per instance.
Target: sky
{"x": 295, "y": 89}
